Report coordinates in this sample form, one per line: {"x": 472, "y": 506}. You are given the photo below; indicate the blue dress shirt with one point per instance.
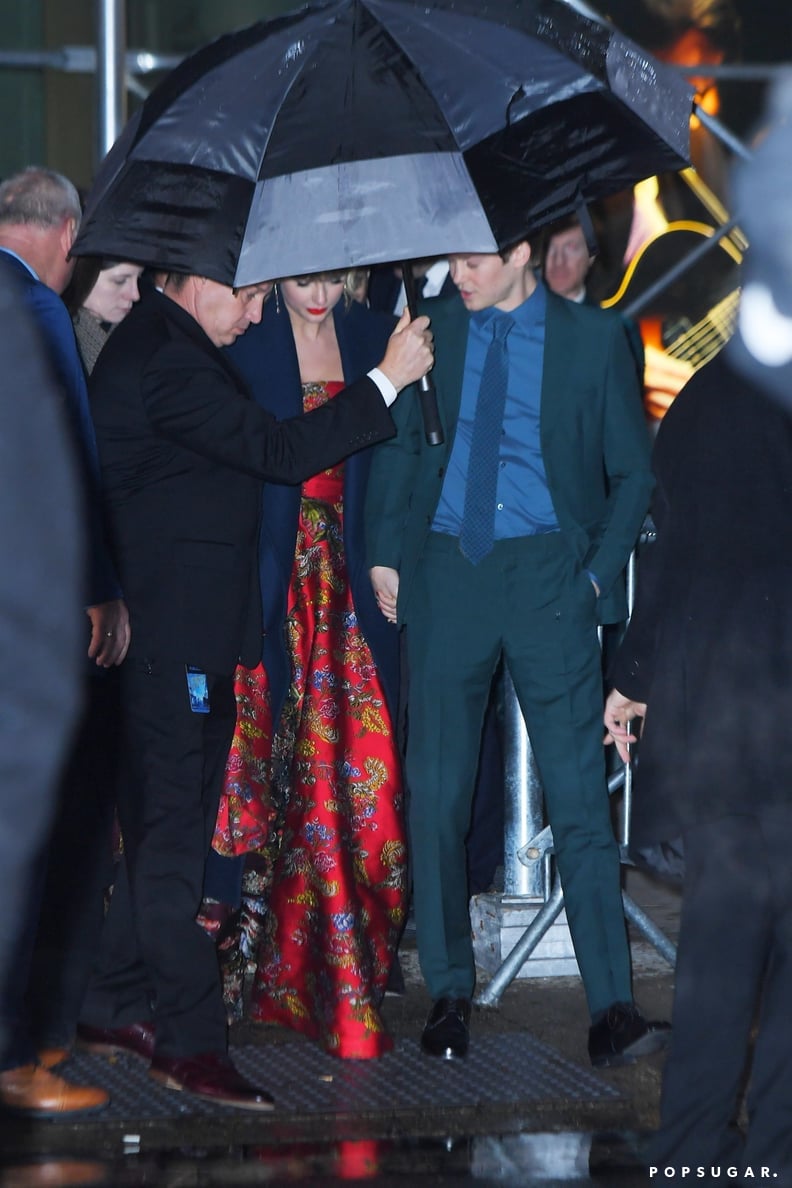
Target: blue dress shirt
{"x": 524, "y": 506}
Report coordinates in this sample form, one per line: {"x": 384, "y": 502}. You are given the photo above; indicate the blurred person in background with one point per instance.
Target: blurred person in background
{"x": 640, "y": 231}
{"x": 707, "y": 664}
{"x": 39, "y": 216}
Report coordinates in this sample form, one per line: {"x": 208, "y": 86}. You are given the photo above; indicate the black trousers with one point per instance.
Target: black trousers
{"x": 61, "y": 922}
{"x": 79, "y": 867}
{"x": 734, "y": 965}
{"x": 155, "y": 962}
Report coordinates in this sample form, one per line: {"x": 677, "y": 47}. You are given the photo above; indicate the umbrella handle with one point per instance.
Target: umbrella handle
{"x": 433, "y": 429}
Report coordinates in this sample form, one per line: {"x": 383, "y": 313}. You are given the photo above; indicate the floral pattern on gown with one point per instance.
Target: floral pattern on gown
{"x": 323, "y": 798}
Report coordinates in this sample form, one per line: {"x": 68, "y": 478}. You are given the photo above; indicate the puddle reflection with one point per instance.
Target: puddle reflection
{"x": 505, "y": 1161}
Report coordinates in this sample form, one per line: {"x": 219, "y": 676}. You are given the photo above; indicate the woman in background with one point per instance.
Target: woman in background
{"x": 313, "y": 790}
{"x": 100, "y": 295}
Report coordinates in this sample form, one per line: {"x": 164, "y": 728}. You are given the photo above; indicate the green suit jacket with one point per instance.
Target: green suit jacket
{"x": 594, "y": 439}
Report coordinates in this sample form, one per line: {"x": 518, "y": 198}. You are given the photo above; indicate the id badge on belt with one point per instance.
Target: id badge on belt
{"x": 197, "y": 689}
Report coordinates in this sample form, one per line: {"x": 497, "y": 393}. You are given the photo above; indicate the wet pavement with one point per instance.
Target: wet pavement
{"x": 524, "y": 1108}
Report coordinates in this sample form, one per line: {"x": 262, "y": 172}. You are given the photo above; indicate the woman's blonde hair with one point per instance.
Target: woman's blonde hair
{"x": 355, "y": 280}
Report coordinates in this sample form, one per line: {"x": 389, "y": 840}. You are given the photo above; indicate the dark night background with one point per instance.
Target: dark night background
{"x": 766, "y": 38}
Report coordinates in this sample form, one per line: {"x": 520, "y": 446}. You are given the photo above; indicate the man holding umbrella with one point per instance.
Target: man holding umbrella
{"x": 183, "y": 451}
{"x": 510, "y": 540}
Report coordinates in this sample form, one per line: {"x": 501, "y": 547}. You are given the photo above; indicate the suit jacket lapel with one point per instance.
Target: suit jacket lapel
{"x": 450, "y": 324}
{"x": 551, "y": 409}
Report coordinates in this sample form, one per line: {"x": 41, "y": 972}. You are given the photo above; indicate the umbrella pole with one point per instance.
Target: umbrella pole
{"x": 433, "y": 429}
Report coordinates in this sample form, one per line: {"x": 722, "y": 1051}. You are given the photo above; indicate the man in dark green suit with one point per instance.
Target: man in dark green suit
{"x": 570, "y": 491}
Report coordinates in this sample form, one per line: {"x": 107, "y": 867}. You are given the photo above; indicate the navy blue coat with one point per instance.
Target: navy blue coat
{"x": 55, "y": 327}
{"x": 266, "y": 357}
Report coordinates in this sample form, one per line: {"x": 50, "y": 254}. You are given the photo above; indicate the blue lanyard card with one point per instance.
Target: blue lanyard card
{"x": 197, "y": 689}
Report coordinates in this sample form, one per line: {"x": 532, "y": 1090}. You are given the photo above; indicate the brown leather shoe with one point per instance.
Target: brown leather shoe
{"x": 34, "y": 1091}
{"x": 136, "y": 1039}
{"x": 51, "y": 1057}
{"x": 210, "y": 1075}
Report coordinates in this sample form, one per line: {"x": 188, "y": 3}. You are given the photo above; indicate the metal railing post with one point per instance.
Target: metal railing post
{"x": 110, "y": 72}
{"x": 524, "y": 803}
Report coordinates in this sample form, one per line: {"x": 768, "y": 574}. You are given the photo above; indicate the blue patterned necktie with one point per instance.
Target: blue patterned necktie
{"x": 478, "y": 517}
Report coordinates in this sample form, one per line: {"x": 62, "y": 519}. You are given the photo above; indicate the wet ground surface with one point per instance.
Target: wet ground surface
{"x": 524, "y": 1108}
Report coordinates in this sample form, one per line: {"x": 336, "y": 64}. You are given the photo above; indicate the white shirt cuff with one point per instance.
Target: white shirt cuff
{"x": 387, "y": 390}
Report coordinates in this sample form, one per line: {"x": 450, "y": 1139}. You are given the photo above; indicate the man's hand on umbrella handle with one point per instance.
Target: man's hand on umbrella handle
{"x": 410, "y": 351}
{"x": 385, "y": 582}
{"x": 618, "y": 717}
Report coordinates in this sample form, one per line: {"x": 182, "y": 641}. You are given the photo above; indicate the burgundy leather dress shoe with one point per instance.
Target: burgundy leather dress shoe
{"x": 210, "y": 1075}
{"x": 136, "y": 1039}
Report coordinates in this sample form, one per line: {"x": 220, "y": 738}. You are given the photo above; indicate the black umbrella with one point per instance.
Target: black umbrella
{"x": 359, "y": 131}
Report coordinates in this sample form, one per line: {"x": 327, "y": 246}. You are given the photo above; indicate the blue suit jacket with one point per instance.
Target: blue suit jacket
{"x": 266, "y": 357}
{"x": 55, "y": 326}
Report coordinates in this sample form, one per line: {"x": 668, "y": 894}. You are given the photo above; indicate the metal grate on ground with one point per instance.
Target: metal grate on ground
{"x": 304, "y": 1080}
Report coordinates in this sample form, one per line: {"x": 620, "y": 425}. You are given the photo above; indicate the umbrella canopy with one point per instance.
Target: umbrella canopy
{"x": 359, "y": 131}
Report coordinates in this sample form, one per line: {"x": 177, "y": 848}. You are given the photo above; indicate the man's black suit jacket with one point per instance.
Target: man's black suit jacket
{"x": 183, "y": 451}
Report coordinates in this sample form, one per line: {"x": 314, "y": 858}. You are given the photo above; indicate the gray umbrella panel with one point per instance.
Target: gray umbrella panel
{"x": 356, "y": 208}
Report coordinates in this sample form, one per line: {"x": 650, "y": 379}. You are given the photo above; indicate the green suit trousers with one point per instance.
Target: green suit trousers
{"x": 529, "y": 600}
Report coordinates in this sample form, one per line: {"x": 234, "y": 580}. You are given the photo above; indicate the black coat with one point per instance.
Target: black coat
{"x": 267, "y": 358}
{"x": 709, "y": 645}
{"x": 183, "y": 450}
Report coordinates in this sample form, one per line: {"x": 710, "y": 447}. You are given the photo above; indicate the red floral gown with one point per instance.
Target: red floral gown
{"x": 321, "y": 798}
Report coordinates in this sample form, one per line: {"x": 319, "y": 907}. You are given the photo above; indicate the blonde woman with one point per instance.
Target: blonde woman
{"x": 313, "y": 790}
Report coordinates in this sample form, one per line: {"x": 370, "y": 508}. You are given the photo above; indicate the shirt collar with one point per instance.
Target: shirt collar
{"x": 531, "y": 313}
{"x": 435, "y": 278}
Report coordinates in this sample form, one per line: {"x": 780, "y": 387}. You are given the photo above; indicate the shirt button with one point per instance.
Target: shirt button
{"x": 500, "y": 507}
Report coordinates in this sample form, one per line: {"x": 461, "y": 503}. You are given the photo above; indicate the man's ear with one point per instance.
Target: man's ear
{"x": 521, "y": 253}
{"x": 68, "y": 235}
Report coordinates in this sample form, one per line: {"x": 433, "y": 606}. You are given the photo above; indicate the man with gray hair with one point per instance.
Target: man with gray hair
{"x": 39, "y": 217}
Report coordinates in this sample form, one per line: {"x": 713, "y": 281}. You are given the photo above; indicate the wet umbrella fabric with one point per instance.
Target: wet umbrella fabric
{"x": 358, "y": 131}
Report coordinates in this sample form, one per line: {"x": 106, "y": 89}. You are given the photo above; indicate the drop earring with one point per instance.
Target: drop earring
{"x": 277, "y": 300}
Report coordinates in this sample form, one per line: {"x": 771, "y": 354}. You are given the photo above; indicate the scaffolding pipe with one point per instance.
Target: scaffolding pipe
{"x": 524, "y": 805}
{"x": 110, "y": 73}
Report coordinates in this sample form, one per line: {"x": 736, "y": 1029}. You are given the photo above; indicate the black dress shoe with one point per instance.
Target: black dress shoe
{"x": 136, "y": 1039}
{"x": 210, "y": 1075}
{"x": 445, "y": 1033}
{"x": 622, "y": 1035}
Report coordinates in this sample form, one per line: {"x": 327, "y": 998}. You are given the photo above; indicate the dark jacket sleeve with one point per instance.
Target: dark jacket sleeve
{"x": 56, "y": 328}
{"x": 196, "y": 409}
